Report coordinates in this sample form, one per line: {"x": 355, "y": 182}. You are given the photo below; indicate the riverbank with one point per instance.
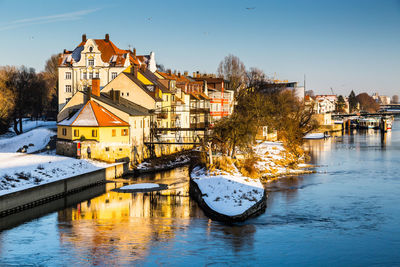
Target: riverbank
{"x": 232, "y": 190}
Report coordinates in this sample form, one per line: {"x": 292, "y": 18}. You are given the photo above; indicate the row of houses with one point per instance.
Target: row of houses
{"x": 117, "y": 105}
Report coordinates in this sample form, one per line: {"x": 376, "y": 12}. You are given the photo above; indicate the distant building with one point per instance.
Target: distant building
{"x": 381, "y": 99}
{"x": 395, "y": 99}
{"x": 221, "y": 99}
{"x": 292, "y": 86}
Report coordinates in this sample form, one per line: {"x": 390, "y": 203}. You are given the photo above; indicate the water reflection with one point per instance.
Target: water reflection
{"x": 127, "y": 224}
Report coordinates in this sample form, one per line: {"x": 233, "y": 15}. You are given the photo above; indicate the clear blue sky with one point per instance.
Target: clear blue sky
{"x": 343, "y": 44}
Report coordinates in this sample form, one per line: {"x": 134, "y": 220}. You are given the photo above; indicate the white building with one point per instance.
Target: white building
{"x": 93, "y": 58}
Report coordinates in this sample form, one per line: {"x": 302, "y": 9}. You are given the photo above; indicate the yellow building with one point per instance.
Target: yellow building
{"x": 94, "y": 132}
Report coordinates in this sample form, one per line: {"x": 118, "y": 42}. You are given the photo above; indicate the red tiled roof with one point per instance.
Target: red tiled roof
{"x": 93, "y": 114}
{"x": 108, "y": 49}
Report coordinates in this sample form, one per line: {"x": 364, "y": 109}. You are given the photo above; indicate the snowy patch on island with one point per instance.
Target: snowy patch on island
{"x": 140, "y": 186}
{"x": 228, "y": 194}
{"x": 274, "y": 160}
{"x": 31, "y": 141}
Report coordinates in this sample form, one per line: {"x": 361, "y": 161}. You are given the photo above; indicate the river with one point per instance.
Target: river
{"x": 347, "y": 213}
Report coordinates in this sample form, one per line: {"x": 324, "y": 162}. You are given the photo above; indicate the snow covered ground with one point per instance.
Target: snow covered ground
{"x": 273, "y": 159}
{"x": 228, "y": 194}
{"x": 143, "y": 186}
{"x": 19, "y": 171}
{"x": 232, "y": 193}
{"x": 147, "y": 166}
{"x": 33, "y": 140}
{"x": 28, "y": 125}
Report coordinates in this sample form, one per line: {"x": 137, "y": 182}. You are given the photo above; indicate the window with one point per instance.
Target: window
{"x": 68, "y": 75}
{"x": 94, "y": 133}
{"x": 67, "y": 99}
{"x": 64, "y": 131}
{"x": 90, "y": 75}
{"x": 84, "y": 75}
{"x": 76, "y": 133}
{"x": 114, "y": 132}
{"x": 124, "y": 132}
{"x": 68, "y": 88}
{"x": 90, "y": 49}
{"x": 113, "y": 75}
{"x": 96, "y": 75}
{"x": 127, "y": 94}
{"x": 91, "y": 62}
{"x": 167, "y": 98}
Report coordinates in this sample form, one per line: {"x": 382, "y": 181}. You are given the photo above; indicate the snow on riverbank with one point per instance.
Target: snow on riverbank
{"x": 19, "y": 171}
{"x": 28, "y": 125}
{"x": 228, "y": 194}
{"x": 33, "y": 140}
{"x": 274, "y": 160}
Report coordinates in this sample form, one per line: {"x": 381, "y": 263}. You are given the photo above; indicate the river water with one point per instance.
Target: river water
{"x": 348, "y": 213}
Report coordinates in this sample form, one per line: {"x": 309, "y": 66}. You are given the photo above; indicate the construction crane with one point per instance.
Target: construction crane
{"x": 332, "y": 91}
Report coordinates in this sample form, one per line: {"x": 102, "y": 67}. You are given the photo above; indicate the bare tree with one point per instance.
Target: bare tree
{"x": 233, "y": 70}
{"x": 7, "y": 97}
{"x": 254, "y": 76}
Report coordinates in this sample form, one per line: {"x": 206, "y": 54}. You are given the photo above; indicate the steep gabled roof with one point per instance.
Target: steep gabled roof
{"x": 110, "y": 53}
{"x": 93, "y": 114}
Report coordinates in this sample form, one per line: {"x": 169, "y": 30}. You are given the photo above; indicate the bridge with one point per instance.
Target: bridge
{"x": 390, "y": 108}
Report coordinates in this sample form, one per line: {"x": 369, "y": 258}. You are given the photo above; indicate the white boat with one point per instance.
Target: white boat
{"x": 315, "y": 136}
{"x": 368, "y": 123}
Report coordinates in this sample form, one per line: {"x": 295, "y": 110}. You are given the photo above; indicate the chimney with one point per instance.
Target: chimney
{"x": 84, "y": 37}
{"x": 115, "y": 96}
{"x": 186, "y": 73}
{"x": 95, "y": 87}
{"x": 143, "y": 67}
{"x": 179, "y": 74}
{"x": 134, "y": 69}
{"x": 169, "y": 72}
{"x": 65, "y": 50}
{"x": 205, "y": 88}
{"x": 88, "y": 94}
{"x": 134, "y": 52}
{"x": 107, "y": 37}
{"x": 194, "y": 74}
{"x": 198, "y": 74}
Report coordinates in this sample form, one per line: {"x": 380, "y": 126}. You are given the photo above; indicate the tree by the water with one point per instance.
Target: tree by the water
{"x": 352, "y": 101}
{"x": 233, "y": 69}
{"x": 367, "y": 103}
{"x": 340, "y": 104}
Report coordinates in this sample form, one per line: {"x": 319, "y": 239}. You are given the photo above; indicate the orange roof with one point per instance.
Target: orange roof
{"x": 93, "y": 114}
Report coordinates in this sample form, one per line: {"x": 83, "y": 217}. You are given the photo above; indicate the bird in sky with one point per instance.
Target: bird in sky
{"x": 250, "y": 8}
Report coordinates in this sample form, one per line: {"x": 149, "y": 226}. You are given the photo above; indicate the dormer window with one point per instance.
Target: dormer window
{"x": 91, "y": 62}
